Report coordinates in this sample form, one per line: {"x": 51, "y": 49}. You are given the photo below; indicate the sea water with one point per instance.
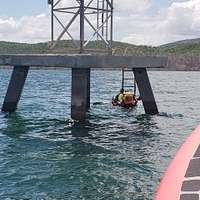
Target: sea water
{"x": 117, "y": 154}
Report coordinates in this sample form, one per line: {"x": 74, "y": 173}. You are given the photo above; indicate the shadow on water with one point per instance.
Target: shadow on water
{"x": 67, "y": 170}
{"x": 103, "y": 155}
{"x": 54, "y": 130}
{"x": 172, "y": 116}
{"x": 16, "y": 125}
{"x": 81, "y": 129}
{"x": 146, "y": 121}
{"x": 83, "y": 139}
{"x": 102, "y": 134}
{"x": 125, "y": 123}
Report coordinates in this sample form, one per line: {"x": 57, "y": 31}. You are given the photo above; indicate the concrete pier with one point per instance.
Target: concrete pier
{"x": 83, "y": 61}
{"x": 146, "y": 92}
{"x": 15, "y": 88}
{"x": 81, "y": 65}
{"x": 80, "y": 98}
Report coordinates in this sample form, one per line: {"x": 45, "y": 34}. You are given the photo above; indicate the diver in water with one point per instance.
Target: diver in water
{"x": 125, "y": 99}
{"x": 119, "y": 97}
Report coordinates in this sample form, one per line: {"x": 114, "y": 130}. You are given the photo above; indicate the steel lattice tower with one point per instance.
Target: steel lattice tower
{"x": 93, "y": 20}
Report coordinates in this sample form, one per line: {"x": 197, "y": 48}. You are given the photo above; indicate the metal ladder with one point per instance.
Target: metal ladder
{"x": 128, "y": 82}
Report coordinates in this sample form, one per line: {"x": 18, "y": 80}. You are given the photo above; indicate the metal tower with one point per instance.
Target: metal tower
{"x": 92, "y": 21}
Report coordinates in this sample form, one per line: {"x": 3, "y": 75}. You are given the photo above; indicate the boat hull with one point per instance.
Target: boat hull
{"x": 181, "y": 180}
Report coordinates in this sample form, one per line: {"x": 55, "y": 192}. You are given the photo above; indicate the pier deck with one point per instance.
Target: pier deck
{"x": 82, "y": 61}
{"x": 80, "y": 65}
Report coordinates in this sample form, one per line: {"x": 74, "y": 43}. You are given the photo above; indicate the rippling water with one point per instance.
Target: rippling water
{"x": 117, "y": 154}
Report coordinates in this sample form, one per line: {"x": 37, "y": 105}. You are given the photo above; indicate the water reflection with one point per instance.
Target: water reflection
{"x": 81, "y": 129}
{"x": 16, "y": 125}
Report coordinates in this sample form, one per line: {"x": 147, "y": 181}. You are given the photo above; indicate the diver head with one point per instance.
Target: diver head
{"x": 122, "y": 91}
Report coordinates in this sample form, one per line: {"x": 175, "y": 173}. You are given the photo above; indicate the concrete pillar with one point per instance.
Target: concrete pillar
{"x": 15, "y": 88}
{"x": 146, "y": 92}
{"x": 80, "y": 101}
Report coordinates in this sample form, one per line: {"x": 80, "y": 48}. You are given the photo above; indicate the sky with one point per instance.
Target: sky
{"x": 141, "y": 22}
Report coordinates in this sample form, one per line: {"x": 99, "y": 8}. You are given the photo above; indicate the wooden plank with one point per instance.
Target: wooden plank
{"x": 15, "y": 88}
{"x": 83, "y": 61}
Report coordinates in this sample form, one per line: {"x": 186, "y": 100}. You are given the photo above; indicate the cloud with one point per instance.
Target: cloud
{"x": 177, "y": 22}
{"x": 120, "y": 5}
{"x": 131, "y": 5}
{"x": 133, "y": 23}
{"x": 26, "y": 29}
{"x": 183, "y": 18}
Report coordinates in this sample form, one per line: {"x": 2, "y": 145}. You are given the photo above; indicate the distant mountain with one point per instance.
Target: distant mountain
{"x": 66, "y": 46}
{"x": 183, "y": 55}
{"x": 62, "y": 47}
{"x": 182, "y": 42}
{"x": 184, "y": 47}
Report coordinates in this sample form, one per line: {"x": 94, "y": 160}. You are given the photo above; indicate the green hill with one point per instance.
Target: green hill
{"x": 188, "y": 41}
{"x": 66, "y": 46}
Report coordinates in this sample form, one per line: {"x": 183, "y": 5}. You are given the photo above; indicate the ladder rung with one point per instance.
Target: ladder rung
{"x": 127, "y": 70}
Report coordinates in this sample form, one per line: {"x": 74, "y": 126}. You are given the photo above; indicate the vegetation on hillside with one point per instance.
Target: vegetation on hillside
{"x": 66, "y": 46}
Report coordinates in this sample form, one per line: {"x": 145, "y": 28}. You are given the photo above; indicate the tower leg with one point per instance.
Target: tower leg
{"x": 146, "y": 92}
{"x": 80, "y": 101}
{"x": 15, "y": 88}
